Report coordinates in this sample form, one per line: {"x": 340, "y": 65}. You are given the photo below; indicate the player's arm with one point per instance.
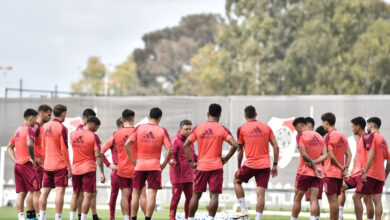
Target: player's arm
{"x": 348, "y": 158}
{"x": 168, "y": 155}
{"x": 334, "y": 160}
{"x": 128, "y": 144}
{"x": 233, "y": 149}
{"x": 187, "y": 152}
{"x": 387, "y": 167}
{"x": 323, "y": 156}
{"x": 30, "y": 148}
{"x": 11, "y": 151}
{"x": 174, "y": 160}
{"x": 308, "y": 160}
{"x": 240, "y": 155}
{"x": 370, "y": 160}
{"x": 99, "y": 161}
{"x": 275, "y": 147}
{"x": 106, "y": 146}
{"x": 65, "y": 152}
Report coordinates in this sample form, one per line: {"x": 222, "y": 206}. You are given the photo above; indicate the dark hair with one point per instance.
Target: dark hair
{"x": 329, "y": 117}
{"x": 321, "y": 130}
{"x": 88, "y": 112}
{"x": 128, "y": 114}
{"x": 29, "y": 112}
{"x": 58, "y": 110}
{"x": 250, "y": 111}
{"x": 119, "y": 122}
{"x": 93, "y": 119}
{"x": 215, "y": 110}
{"x": 359, "y": 121}
{"x": 185, "y": 122}
{"x": 44, "y": 108}
{"x": 310, "y": 120}
{"x": 155, "y": 113}
{"x": 376, "y": 121}
{"x": 299, "y": 120}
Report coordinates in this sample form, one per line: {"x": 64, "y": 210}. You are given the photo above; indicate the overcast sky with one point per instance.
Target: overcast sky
{"x": 48, "y": 42}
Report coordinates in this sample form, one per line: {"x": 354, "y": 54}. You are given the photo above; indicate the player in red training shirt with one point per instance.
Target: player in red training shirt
{"x": 374, "y": 173}
{"x": 254, "y": 138}
{"x": 85, "y": 155}
{"x": 312, "y": 152}
{"x": 149, "y": 139}
{"x": 26, "y": 176}
{"x": 336, "y": 165}
{"x": 210, "y": 136}
{"x": 181, "y": 173}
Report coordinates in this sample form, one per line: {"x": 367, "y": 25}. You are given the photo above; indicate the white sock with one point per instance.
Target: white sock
{"x": 341, "y": 211}
{"x": 258, "y": 215}
{"x": 189, "y": 218}
{"x": 313, "y": 218}
{"x": 42, "y": 215}
{"x": 84, "y": 216}
{"x": 126, "y": 217}
{"x": 292, "y": 218}
{"x": 21, "y": 216}
{"x": 72, "y": 215}
{"x": 242, "y": 203}
{"x": 58, "y": 216}
{"x": 370, "y": 219}
{"x": 211, "y": 218}
{"x": 317, "y": 217}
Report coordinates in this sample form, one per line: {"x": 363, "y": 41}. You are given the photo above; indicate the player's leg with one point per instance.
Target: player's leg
{"x": 341, "y": 199}
{"x": 151, "y": 204}
{"x": 30, "y": 208}
{"x": 260, "y": 191}
{"x": 177, "y": 189}
{"x": 314, "y": 205}
{"x": 125, "y": 202}
{"x": 194, "y": 203}
{"x": 43, "y": 203}
{"x": 240, "y": 194}
{"x": 367, "y": 199}
{"x": 114, "y": 193}
{"x": 215, "y": 182}
{"x": 188, "y": 190}
{"x": 73, "y": 202}
{"x": 377, "y": 199}
{"x": 20, "y": 204}
{"x": 135, "y": 202}
{"x": 358, "y": 205}
{"x": 86, "y": 205}
{"x": 333, "y": 206}
{"x": 93, "y": 207}
{"x": 296, "y": 208}
{"x": 143, "y": 200}
{"x": 60, "y": 192}
{"x": 213, "y": 205}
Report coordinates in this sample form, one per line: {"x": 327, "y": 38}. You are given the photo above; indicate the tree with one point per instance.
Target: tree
{"x": 92, "y": 80}
{"x": 124, "y": 80}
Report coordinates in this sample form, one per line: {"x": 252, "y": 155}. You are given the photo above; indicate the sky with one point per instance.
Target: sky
{"x": 48, "y": 42}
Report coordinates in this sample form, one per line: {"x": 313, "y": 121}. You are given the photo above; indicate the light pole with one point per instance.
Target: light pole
{"x": 5, "y": 68}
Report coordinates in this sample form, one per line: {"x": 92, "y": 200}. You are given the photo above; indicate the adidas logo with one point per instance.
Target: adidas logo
{"x": 315, "y": 140}
{"x": 208, "y": 132}
{"x": 341, "y": 141}
{"x": 78, "y": 140}
{"x": 149, "y": 135}
{"x": 17, "y": 135}
{"x": 257, "y": 130}
{"x": 48, "y": 132}
{"x": 124, "y": 139}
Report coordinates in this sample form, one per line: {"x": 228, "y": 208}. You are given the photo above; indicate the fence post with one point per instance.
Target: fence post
{"x": 21, "y": 88}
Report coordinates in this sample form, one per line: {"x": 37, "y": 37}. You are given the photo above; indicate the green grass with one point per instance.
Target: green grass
{"x": 9, "y": 213}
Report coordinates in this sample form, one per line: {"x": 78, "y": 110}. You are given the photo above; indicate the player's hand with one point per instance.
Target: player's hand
{"x": 194, "y": 165}
{"x": 319, "y": 173}
{"x": 38, "y": 160}
{"x": 113, "y": 166}
{"x": 224, "y": 160}
{"x": 134, "y": 162}
{"x": 69, "y": 173}
{"x": 345, "y": 172}
{"x": 274, "y": 171}
{"x": 364, "y": 177}
{"x": 308, "y": 164}
{"x": 102, "y": 178}
{"x": 33, "y": 163}
{"x": 172, "y": 162}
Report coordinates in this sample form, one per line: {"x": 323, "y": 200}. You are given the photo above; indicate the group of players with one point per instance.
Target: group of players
{"x": 42, "y": 162}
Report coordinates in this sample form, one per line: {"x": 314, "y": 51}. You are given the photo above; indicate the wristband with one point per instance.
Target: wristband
{"x": 275, "y": 163}
{"x": 189, "y": 161}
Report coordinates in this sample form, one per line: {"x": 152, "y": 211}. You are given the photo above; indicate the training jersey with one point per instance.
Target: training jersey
{"x": 38, "y": 148}
{"x": 377, "y": 169}
{"x": 55, "y": 143}
{"x": 335, "y": 141}
{"x": 360, "y": 157}
{"x": 210, "y": 136}
{"x": 313, "y": 143}
{"x": 255, "y": 136}
{"x": 84, "y": 146}
{"x": 125, "y": 167}
{"x": 150, "y": 138}
{"x": 109, "y": 144}
{"x": 19, "y": 140}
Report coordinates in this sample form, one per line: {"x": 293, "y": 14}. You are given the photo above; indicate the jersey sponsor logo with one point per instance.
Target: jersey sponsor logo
{"x": 48, "y": 132}
{"x": 17, "y": 136}
{"x": 208, "y": 134}
{"x": 256, "y": 132}
{"x": 148, "y": 138}
{"x": 341, "y": 142}
{"x": 78, "y": 142}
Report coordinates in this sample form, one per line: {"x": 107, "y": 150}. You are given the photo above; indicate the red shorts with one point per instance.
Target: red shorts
{"x": 85, "y": 182}
{"x": 26, "y": 178}
{"x": 371, "y": 186}
{"x": 319, "y": 191}
{"x": 244, "y": 174}
{"x": 303, "y": 182}
{"x": 353, "y": 181}
{"x": 125, "y": 182}
{"x": 56, "y": 178}
{"x": 153, "y": 177}
{"x": 114, "y": 179}
{"x": 333, "y": 185}
{"x": 40, "y": 172}
{"x": 214, "y": 178}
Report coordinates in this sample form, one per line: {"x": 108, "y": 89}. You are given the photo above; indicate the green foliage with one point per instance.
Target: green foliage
{"x": 124, "y": 80}
{"x": 92, "y": 80}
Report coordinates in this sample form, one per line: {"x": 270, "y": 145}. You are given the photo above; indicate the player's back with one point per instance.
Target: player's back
{"x": 313, "y": 144}
{"x": 83, "y": 146}
{"x": 360, "y": 156}
{"x": 54, "y": 139}
{"x": 337, "y": 143}
{"x": 19, "y": 139}
{"x": 255, "y": 136}
{"x": 379, "y": 144}
{"x": 125, "y": 167}
{"x": 38, "y": 149}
